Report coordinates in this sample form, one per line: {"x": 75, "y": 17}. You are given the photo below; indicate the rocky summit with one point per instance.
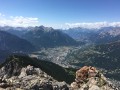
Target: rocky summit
{"x": 18, "y": 74}
{"x": 89, "y": 78}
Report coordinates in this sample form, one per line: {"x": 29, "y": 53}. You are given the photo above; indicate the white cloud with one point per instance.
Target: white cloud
{"x": 18, "y": 21}
{"x": 2, "y": 15}
{"x": 95, "y": 25}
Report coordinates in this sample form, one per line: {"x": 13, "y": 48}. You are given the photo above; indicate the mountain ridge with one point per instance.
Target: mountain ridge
{"x": 13, "y": 43}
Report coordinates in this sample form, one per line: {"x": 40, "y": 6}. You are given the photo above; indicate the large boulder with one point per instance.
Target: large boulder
{"x": 89, "y": 78}
{"x": 85, "y": 72}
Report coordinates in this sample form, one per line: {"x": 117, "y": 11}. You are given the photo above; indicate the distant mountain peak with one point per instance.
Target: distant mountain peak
{"x": 43, "y": 28}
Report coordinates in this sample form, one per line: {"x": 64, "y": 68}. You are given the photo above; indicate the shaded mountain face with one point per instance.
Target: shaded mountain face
{"x": 48, "y": 37}
{"x": 4, "y": 54}
{"x": 13, "y": 43}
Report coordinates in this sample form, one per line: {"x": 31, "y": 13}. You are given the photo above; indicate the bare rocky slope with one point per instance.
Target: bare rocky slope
{"x": 24, "y": 73}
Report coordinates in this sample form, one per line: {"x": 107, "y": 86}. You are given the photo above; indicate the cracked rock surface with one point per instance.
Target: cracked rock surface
{"x": 30, "y": 78}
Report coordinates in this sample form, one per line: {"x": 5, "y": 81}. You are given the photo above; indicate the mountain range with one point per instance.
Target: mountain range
{"x": 48, "y": 37}
{"x": 97, "y": 36}
{"x": 59, "y": 37}
{"x": 42, "y": 37}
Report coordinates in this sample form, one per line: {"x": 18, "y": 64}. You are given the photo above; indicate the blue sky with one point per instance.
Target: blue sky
{"x": 58, "y": 12}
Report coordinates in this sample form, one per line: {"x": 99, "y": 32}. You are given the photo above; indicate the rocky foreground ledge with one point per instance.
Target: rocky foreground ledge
{"x": 16, "y": 77}
{"x": 31, "y": 78}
